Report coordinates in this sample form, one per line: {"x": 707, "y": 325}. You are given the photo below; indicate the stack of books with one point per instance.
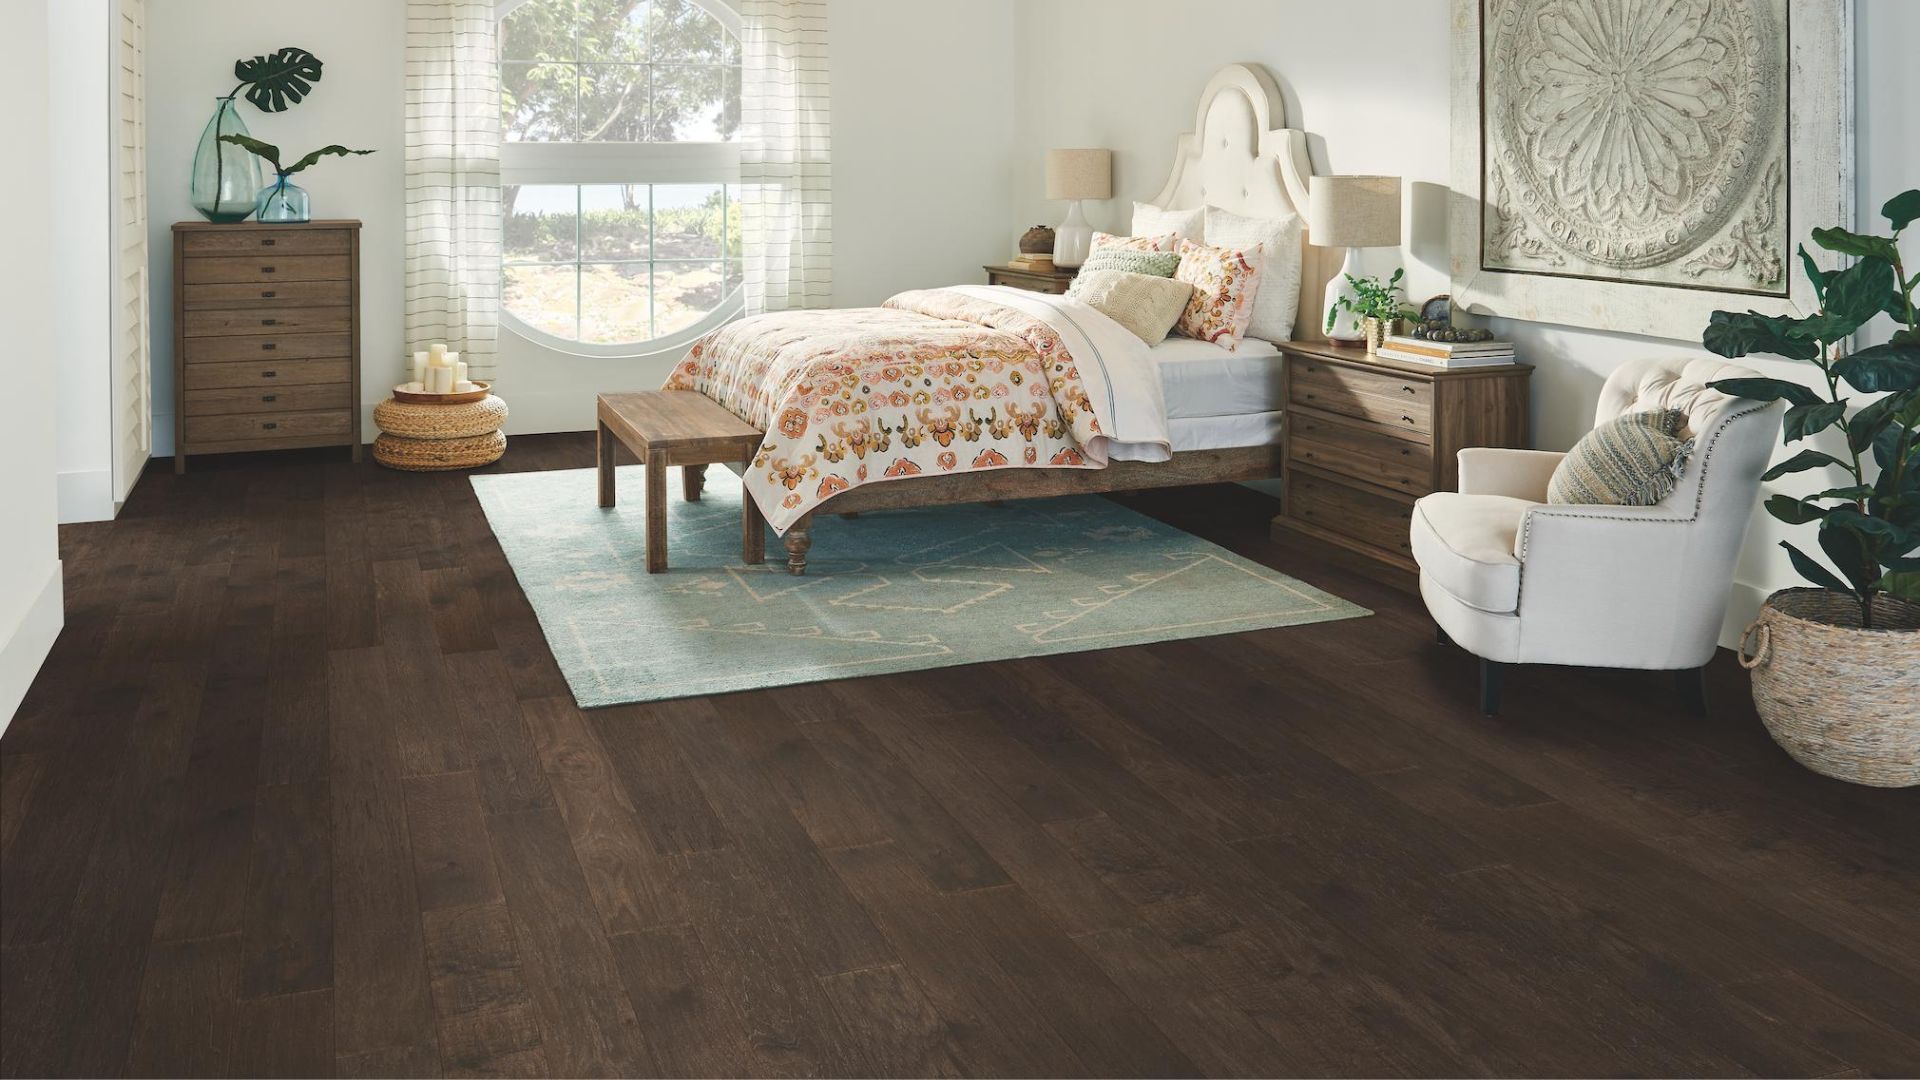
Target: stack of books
{"x": 1447, "y": 354}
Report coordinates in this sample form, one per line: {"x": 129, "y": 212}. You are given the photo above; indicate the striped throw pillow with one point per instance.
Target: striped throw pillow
{"x": 1129, "y": 261}
{"x": 1631, "y": 460}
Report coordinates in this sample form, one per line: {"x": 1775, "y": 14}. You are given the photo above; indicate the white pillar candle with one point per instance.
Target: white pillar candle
{"x": 437, "y": 350}
{"x": 420, "y": 366}
{"x": 464, "y": 387}
{"x": 443, "y": 380}
{"x": 460, "y": 371}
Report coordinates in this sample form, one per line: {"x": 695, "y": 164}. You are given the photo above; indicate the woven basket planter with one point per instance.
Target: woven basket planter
{"x": 1843, "y": 701}
{"x": 463, "y": 421}
{"x": 438, "y": 455}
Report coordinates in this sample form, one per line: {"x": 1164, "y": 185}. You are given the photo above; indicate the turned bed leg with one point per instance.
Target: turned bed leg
{"x": 798, "y": 540}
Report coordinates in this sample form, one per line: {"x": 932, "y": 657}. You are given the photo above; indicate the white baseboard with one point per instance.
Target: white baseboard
{"x": 27, "y": 648}
{"x": 1742, "y": 606}
{"x": 85, "y": 495}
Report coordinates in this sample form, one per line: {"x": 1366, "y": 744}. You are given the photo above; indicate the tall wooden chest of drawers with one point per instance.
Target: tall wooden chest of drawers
{"x": 266, "y": 337}
{"x": 1365, "y": 437}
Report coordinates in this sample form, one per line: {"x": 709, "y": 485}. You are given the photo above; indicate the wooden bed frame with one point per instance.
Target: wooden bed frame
{"x": 1236, "y": 158}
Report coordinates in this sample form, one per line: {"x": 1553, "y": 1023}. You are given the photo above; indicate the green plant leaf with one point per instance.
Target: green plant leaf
{"x": 1891, "y": 444}
{"x": 1903, "y": 209}
{"x": 1857, "y": 244}
{"x": 1851, "y": 554}
{"x": 1801, "y": 462}
{"x": 1882, "y": 367}
{"x": 277, "y": 83}
{"x": 266, "y": 151}
{"x": 1866, "y": 424}
{"x": 336, "y": 150}
{"x": 1793, "y": 511}
{"x": 1904, "y": 584}
{"x": 1813, "y": 571}
{"x": 1816, "y": 275}
{"x": 1767, "y": 390}
{"x": 1850, "y": 493}
{"x": 1734, "y": 334}
{"x": 1885, "y": 535}
{"x": 1802, "y": 421}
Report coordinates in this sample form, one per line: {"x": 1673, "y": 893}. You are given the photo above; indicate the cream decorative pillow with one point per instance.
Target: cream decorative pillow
{"x": 1631, "y": 460}
{"x": 1163, "y": 242}
{"x": 1224, "y": 282}
{"x": 1115, "y": 257}
{"x": 1150, "y": 220}
{"x": 1147, "y": 306}
{"x": 1278, "y": 299}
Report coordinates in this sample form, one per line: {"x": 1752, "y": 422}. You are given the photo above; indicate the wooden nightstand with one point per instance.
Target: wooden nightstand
{"x": 1365, "y": 437}
{"x": 1046, "y": 281}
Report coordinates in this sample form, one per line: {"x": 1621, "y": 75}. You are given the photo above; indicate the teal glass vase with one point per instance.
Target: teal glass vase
{"x": 284, "y": 202}
{"x": 226, "y": 178}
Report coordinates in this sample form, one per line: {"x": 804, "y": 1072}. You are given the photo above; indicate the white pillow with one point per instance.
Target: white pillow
{"x": 1150, "y": 220}
{"x": 1277, "y": 300}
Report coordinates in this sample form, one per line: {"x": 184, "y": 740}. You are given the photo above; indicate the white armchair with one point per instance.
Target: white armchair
{"x": 1514, "y": 580}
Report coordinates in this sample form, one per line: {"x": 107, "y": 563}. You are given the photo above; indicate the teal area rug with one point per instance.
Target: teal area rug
{"x": 886, "y": 592}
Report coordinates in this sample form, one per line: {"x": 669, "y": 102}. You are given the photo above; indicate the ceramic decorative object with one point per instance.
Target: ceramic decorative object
{"x": 1037, "y": 241}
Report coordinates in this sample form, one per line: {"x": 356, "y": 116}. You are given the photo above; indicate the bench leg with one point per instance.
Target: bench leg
{"x": 799, "y": 540}
{"x": 753, "y": 531}
{"x": 604, "y": 444}
{"x": 656, "y": 513}
{"x": 693, "y": 479}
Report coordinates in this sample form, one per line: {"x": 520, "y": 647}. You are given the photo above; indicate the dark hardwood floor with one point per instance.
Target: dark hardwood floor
{"x": 301, "y": 791}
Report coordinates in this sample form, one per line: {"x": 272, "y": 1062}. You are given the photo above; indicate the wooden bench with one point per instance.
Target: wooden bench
{"x": 672, "y": 427}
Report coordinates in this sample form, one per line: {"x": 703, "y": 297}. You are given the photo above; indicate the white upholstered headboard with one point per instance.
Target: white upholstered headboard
{"x": 1240, "y": 156}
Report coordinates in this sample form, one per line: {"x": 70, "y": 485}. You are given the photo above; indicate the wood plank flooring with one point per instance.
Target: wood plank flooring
{"x": 301, "y": 792}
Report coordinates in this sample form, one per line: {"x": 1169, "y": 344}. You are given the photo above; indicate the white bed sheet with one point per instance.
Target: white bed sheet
{"x": 1201, "y": 379}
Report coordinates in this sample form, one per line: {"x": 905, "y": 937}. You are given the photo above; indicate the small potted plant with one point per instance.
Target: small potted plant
{"x": 1836, "y": 668}
{"x": 281, "y": 201}
{"x": 1377, "y": 305}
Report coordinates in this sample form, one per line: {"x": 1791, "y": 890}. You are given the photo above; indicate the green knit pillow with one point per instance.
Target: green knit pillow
{"x": 1631, "y": 460}
{"x": 1128, "y": 261}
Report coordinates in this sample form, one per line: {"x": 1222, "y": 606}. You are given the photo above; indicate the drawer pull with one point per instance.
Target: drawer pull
{"x": 266, "y": 269}
{"x": 1408, "y": 389}
{"x": 268, "y": 374}
{"x": 1406, "y": 453}
{"x": 266, "y": 243}
{"x": 267, "y": 346}
{"x": 268, "y": 294}
{"x": 269, "y": 397}
{"x": 269, "y": 322}
{"x": 268, "y": 426}
{"x": 1408, "y": 419}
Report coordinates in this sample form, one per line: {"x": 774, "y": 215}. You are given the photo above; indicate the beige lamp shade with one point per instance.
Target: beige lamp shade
{"x": 1353, "y": 211}
{"x": 1079, "y": 174}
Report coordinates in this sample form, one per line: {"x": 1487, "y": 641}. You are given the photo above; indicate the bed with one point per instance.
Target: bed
{"x": 982, "y": 394}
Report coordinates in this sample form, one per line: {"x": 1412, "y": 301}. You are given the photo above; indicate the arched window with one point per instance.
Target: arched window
{"x": 618, "y": 168}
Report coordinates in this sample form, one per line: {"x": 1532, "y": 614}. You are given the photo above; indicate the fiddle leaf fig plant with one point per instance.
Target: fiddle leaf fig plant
{"x": 1371, "y": 299}
{"x": 278, "y": 82}
{"x": 270, "y": 153}
{"x": 1869, "y": 525}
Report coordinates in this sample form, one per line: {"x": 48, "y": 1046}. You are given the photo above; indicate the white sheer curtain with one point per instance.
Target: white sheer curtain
{"x": 786, "y": 163}
{"x": 453, "y": 180}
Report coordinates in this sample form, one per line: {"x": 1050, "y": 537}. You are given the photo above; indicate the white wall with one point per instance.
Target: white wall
{"x": 30, "y": 590}
{"x": 1126, "y": 74}
{"x": 191, "y": 47}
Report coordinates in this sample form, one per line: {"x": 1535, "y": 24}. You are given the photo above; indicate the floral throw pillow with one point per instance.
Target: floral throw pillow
{"x": 1135, "y": 243}
{"x": 1223, "y": 283}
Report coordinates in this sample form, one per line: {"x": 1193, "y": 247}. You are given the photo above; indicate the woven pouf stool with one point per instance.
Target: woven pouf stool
{"x": 431, "y": 438}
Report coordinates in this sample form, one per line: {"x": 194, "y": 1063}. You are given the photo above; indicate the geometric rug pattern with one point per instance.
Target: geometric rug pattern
{"x": 885, "y": 592}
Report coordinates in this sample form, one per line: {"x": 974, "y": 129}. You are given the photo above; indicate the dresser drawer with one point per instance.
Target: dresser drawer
{"x": 269, "y": 397}
{"x": 268, "y": 373}
{"x": 265, "y": 267}
{"x": 1404, "y": 404}
{"x": 275, "y": 241}
{"x": 288, "y": 425}
{"x": 222, "y": 350}
{"x": 294, "y": 320}
{"x": 267, "y": 294}
{"x": 1379, "y": 520}
{"x": 1362, "y": 451}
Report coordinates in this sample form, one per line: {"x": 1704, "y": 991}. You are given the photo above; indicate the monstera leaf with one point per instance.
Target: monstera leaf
{"x": 278, "y": 82}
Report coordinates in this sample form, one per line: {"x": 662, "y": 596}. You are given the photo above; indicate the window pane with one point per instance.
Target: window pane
{"x": 537, "y": 101}
{"x": 539, "y": 30}
{"x": 540, "y": 222}
{"x": 685, "y": 293}
{"x": 685, "y": 31}
{"x": 615, "y": 301}
{"x": 688, "y": 221}
{"x": 613, "y": 223}
{"x": 543, "y": 297}
{"x": 614, "y": 31}
{"x": 691, "y": 104}
{"x": 613, "y": 103}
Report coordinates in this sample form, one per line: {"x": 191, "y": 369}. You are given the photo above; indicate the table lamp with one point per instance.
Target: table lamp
{"x": 1074, "y": 175}
{"x": 1352, "y": 212}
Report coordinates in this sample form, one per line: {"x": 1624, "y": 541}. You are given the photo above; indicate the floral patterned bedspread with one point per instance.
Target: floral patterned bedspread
{"x": 937, "y": 381}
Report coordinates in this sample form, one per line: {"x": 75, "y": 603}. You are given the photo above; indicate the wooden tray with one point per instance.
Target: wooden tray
{"x": 482, "y": 389}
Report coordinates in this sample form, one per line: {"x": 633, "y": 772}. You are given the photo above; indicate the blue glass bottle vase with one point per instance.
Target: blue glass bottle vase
{"x": 284, "y": 202}
{"x": 226, "y": 178}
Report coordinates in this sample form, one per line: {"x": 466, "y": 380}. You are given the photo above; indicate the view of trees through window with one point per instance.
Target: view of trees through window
{"x": 610, "y": 264}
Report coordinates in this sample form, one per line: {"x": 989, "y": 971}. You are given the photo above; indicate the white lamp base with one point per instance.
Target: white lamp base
{"x": 1073, "y": 239}
{"x": 1346, "y": 326}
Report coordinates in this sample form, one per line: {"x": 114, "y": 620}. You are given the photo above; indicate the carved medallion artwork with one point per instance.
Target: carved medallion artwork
{"x": 1637, "y": 140}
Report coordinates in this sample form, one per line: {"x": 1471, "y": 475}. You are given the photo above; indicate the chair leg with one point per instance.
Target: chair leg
{"x": 1440, "y": 635}
{"x": 1692, "y": 684}
{"x": 1491, "y": 674}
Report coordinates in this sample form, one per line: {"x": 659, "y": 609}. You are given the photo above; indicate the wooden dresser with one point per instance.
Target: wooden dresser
{"x": 266, "y": 337}
{"x": 1365, "y": 437}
